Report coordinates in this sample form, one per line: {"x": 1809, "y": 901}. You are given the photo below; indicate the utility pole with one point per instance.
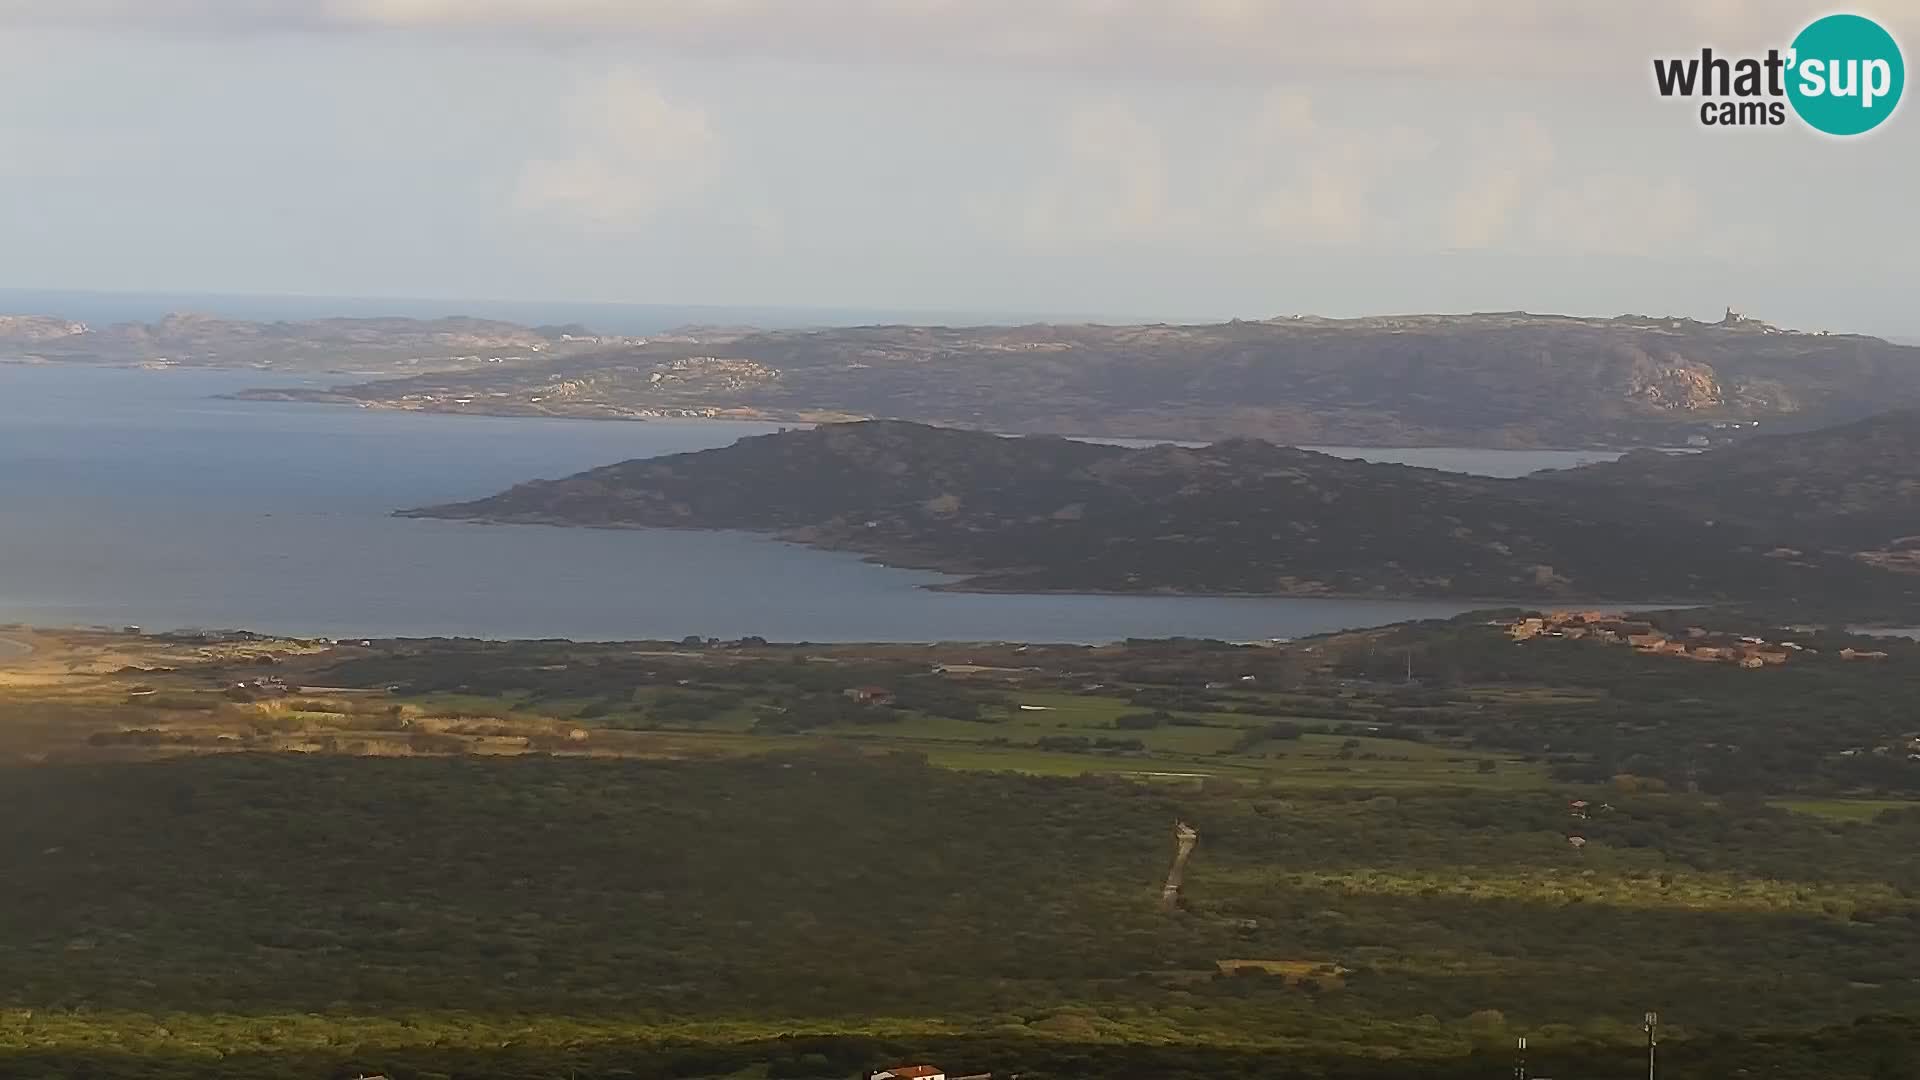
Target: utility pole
{"x": 1653, "y": 1040}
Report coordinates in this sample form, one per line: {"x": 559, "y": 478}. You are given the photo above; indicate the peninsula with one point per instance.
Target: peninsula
{"x": 1248, "y": 517}
{"x": 1510, "y": 379}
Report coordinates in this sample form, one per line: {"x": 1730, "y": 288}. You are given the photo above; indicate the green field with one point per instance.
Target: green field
{"x": 716, "y": 716}
{"x": 325, "y": 913}
{"x": 1845, "y": 809}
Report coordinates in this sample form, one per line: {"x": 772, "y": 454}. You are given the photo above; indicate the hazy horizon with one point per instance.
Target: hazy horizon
{"x": 1131, "y": 159}
{"x": 109, "y": 306}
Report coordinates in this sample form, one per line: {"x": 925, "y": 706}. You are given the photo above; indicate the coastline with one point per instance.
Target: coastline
{"x": 752, "y": 414}
{"x": 970, "y": 578}
{"x": 329, "y": 398}
{"x": 1199, "y": 436}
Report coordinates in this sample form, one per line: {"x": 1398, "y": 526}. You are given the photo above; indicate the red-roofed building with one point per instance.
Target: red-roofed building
{"x": 876, "y": 695}
{"x": 909, "y": 1072}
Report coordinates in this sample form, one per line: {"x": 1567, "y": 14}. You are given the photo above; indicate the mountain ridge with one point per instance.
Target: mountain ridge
{"x": 1043, "y": 513}
{"x": 1492, "y": 379}
{"x": 1501, "y": 379}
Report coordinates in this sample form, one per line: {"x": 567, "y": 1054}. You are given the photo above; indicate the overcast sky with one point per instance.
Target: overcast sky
{"x": 1159, "y": 158}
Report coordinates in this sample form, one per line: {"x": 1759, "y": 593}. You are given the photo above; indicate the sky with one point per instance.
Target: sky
{"x": 1173, "y": 159}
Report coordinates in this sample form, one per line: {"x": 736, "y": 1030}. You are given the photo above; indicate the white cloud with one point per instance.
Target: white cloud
{"x": 1282, "y": 117}
{"x": 1265, "y": 150}
{"x": 1211, "y": 38}
{"x": 636, "y": 153}
{"x": 1110, "y": 181}
{"x": 1508, "y": 165}
{"x": 1274, "y": 175}
{"x": 1280, "y": 180}
{"x": 1335, "y": 194}
{"x": 1518, "y": 194}
{"x": 1118, "y": 148}
{"x": 1617, "y": 214}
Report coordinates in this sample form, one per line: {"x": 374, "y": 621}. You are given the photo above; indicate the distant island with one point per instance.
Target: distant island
{"x": 1503, "y": 380}
{"x": 1507, "y": 380}
{"x": 1248, "y": 517}
{"x": 387, "y": 347}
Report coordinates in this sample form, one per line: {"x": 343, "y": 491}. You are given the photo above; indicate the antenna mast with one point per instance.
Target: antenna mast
{"x": 1653, "y": 1040}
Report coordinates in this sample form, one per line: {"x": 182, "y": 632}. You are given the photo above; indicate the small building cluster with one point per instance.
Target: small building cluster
{"x": 266, "y": 685}
{"x": 869, "y": 695}
{"x": 1863, "y": 654}
{"x": 1695, "y": 643}
{"x": 1907, "y": 745}
{"x": 927, "y": 1072}
{"x": 1582, "y": 810}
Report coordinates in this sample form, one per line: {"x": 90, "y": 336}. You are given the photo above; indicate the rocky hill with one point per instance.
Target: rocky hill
{"x": 1499, "y": 380}
{"x": 30, "y": 329}
{"x": 1510, "y": 379}
{"x": 1853, "y": 487}
{"x": 1242, "y": 516}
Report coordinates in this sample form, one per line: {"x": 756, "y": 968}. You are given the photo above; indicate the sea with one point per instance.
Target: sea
{"x": 140, "y": 497}
{"x": 104, "y": 308}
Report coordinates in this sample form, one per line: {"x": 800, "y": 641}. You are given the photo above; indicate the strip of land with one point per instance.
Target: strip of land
{"x": 244, "y": 855}
{"x": 1503, "y": 379}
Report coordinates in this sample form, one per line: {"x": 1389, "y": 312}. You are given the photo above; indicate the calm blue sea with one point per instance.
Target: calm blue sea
{"x": 131, "y": 496}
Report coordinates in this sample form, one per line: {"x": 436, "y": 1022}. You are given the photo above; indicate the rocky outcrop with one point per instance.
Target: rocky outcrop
{"x": 37, "y": 328}
{"x": 1677, "y": 386}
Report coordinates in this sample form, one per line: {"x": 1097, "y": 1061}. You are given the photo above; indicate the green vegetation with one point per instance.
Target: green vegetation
{"x": 699, "y": 858}
{"x": 1847, "y": 488}
{"x": 1042, "y": 716}
{"x": 1853, "y": 810}
{"x": 1820, "y": 723}
{"x": 417, "y": 915}
{"x": 1483, "y": 710}
{"x": 1242, "y": 516}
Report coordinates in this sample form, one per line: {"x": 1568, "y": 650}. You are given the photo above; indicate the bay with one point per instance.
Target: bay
{"x": 137, "y": 497}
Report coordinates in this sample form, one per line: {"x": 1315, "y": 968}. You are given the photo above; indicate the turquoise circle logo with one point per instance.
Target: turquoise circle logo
{"x": 1846, "y": 75}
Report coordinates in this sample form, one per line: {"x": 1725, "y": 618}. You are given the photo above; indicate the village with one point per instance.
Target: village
{"x": 1698, "y": 644}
